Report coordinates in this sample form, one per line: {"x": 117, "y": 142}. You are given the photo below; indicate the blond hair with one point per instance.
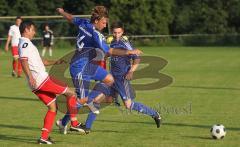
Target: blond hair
{"x": 98, "y": 13}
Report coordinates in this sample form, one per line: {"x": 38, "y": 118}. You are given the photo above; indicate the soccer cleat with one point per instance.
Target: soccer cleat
{"x": 157, "y": 119}
{"x": 62, "y": 128}
{"x": 93, "y": 108}
{"x": 43, "y": 141}
{"x": 13, "y": 74}
{"x": 80, "y": 128}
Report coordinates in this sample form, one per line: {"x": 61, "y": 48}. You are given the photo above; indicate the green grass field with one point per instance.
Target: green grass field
{"x": 205, "y": 91}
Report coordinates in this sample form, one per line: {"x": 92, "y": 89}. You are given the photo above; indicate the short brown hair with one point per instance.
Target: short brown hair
{"x": 98, "y": 13}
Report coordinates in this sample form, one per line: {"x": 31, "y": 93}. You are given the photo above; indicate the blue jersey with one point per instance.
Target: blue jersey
{"x": 88, "y": 40}
{"x": 120, "y": 65}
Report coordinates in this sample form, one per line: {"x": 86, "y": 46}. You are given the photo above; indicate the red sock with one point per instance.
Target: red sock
{"x": 48, "y": 123}
{"x": 14, "y": 65}
{"x": 74, "y": 123}
{"x": 19, "y": 68}
{"x": 72, "y": 109}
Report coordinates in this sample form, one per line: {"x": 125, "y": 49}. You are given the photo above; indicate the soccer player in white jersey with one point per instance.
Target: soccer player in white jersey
{"x": 13, "y": 36}
{"x": 41, "y": 84}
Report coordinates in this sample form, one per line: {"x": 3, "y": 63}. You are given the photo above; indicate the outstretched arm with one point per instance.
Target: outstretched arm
{"x": 68, "y": 16}
{"x": 52, "y": 62}
{"x": 121, "y": 52}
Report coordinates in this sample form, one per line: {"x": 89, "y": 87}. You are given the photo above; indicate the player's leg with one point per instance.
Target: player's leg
{"x": 15, "y": 60}
{"x": 125, "y": 90}
{"x": 49, "y": 100}
{"x": 57, "y": 87}
{"x": 81, "y": 82}
{"x": 50, "y": 50}
{"x": 99, "y": 92}
{"x": 44, "y": 51}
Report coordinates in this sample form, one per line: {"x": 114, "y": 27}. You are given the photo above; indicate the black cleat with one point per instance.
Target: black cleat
{"x": 157, "y": 119}
{"x": 13, "y": 74}
{"x": 80, "y": 128}
{"x": 43, "y": 141}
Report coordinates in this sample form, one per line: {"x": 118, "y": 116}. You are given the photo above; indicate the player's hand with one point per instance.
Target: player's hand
{"x": 6, "y": 48}
{"x": 32, "y": 82}
{"x": 129, "y": 75}
{"x": 60, "y": 10}
{"x": 135, "y": 52}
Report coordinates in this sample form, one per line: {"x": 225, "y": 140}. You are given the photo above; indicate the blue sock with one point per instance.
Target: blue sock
{"x": 92, "y": 95}
{"x": 143, "y": 109}
{"x": 90, "y": 119}
{"x": 66, "y": 117}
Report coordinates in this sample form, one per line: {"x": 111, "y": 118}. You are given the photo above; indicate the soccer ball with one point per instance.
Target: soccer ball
{"x": 218, "y": 131}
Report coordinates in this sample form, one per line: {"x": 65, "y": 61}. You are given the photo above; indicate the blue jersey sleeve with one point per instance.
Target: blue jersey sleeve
{"x": 79, "y": 21}
{"x": 100, "y": 41}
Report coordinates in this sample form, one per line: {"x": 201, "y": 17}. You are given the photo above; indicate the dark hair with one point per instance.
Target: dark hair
{"x": 24, "y": 25}
{"x": 117, "y": 25}
{"x": 18, "y": 17}
{"x": 98, "y": 13}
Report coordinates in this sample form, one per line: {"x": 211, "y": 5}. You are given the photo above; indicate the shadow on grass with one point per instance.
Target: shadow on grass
{"x": 199, "y": 137}
{"x": 197, "y": 126}
{"x": 18, "y": 98}
{"x": 18, "y": 138}
{"x": 206, "y": 87}
{"x": 127, "y": 122}
{"x": 21, "y": 127}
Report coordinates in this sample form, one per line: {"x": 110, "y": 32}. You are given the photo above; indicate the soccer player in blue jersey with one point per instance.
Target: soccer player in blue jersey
{"x": 122, "y": 69}
{"x": 83, "y": 69}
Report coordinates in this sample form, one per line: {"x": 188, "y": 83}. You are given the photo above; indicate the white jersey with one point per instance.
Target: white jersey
{"x": 15, "y": 34}
{"x": 29, "y": 51}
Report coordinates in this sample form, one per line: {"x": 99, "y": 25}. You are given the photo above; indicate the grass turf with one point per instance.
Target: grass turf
{"x": 205, "y": 91}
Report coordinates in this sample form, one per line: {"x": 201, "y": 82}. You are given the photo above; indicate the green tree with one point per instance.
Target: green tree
{"x": 22, "y": 7}
{"x": 143, "y": 16}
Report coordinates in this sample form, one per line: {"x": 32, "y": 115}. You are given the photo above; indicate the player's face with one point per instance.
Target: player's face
{"x": 101, "y": 24}
{"x": 117, "y": 33}
{"x": 31, "y": 31}
{"x": 18, "y": 22}
{"x": 47, "y": 28}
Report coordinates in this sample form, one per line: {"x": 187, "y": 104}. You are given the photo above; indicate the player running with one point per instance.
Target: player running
{"x": 13, "y": 36}
{"x": 122, "y": 69}
{"x": 45, "y": 87}
{"x": 83, "y": 69}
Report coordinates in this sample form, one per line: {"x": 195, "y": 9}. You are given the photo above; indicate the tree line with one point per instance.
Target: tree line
{"x": 143, "y": 16}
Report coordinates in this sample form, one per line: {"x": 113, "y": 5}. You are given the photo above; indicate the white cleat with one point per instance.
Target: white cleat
{"x": 62, "y": 129}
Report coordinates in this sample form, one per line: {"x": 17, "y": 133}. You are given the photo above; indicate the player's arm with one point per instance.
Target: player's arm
{"x": 25, "y": 67}
{"x": 133, "y": 68}
{"x": 66, "y": 15}
{"x": 52, "y": 62}
{"x": 8, "y": 42}
{"x": 121, "y": 52}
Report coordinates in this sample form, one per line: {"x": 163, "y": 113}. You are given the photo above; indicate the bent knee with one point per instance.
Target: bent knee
{"x": 109, "y": 80}
{"x": 69, "y": 92}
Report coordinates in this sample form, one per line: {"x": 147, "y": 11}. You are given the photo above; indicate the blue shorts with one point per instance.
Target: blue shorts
{"x": 123, "y": 87}
{"x": 81, "y": 77}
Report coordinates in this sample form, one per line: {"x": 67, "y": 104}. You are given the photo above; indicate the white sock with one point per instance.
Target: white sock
{"x": 50, "y": 52}
{"x": 43, "y": 52}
